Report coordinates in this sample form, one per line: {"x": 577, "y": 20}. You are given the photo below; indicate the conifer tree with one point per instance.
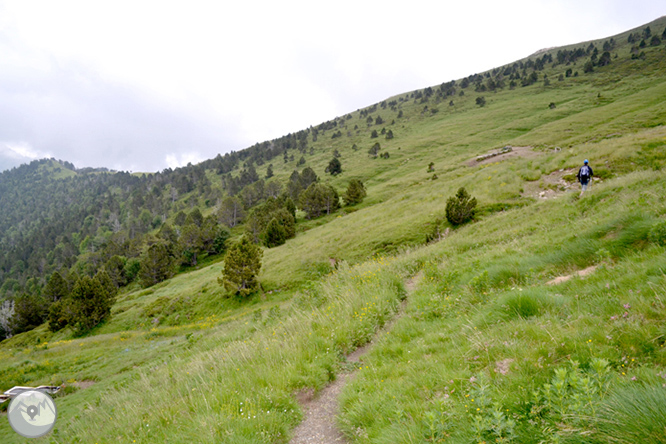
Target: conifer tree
{"x": 355, "y": 192}
{"x": 334, "y": 167}
{"x": 241, "y": 267}
{"x": 195, "y": 217}
{"x": 180, "y": 219}
{"x": 29, "y": 312}
{"x": 273, "y": 189}
{"x": 190, "y": 244}
{"x": 290, "y": 206}
{"x": 231, "y": 211}
{"x": 319, "y": 199}
{"x": 275, "y": 234}
{"x": 374, "y": 150}
{"x": 156, "y": 265}
{"x": 56, "y": 288}
{"x": 60, "y": 313}
{"x": 168, "y": 234}
{"x": 115, "y": 267}
{"x": 461, "y": 208}
{"x": 307, "y": 177}
{"x": 91, "y": 301}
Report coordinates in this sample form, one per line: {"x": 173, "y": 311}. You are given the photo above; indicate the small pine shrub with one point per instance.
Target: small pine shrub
{"x": 460, "y": 208}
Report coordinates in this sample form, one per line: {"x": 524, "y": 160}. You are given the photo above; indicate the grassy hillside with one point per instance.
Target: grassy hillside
{"x": 486, "y": 351}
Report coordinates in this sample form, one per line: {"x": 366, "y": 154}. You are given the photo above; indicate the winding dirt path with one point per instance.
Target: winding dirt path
{"x": 319, "y": 425}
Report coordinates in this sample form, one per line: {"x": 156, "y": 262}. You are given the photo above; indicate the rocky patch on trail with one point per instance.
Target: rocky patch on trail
{"x": 504, "y": 153}
{"x": 554, "y": 184}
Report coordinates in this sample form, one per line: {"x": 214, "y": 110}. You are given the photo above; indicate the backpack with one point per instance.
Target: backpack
{"x": 585, "y": 173}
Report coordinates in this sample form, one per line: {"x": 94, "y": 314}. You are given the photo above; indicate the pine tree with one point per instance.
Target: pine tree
{"x": 115, "y": 267}
{"x": 273, "y": 189}
{"x": 374, "y": 150}
{"x": 290, "y": 206}
{"x": 241, "y": 267}
{"x": 56, "y": 288}
{"x": 195, "y": 217}
{"x": 60, "y": 313}
{"x": 269, "y": 171}
{"x": 29, "y": 313}
{"x": 91, "y": 301}
{"x": 307, "y": 177}
{"x": 319, "y": 199}
{"x": 180, "y": 219}
{"x": 231, "y": 211}
{"x": 461, "y": 208}
{"x": 355, "y": 192}
{"x": 190, "y": 244}
{"x": 156, "y": 265}
{"x": 275, "y": 234}
{"x": 334, "y": 167}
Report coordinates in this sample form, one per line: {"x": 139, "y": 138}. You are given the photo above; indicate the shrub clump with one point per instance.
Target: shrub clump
{"x": 460, "y": 208}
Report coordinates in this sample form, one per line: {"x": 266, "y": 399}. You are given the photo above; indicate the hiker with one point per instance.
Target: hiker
{"x": 584, "y": 176}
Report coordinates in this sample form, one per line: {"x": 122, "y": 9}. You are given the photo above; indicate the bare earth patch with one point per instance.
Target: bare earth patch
{"x": 516, "y": 151}
{"x": 83, "y": 384}
{"x": 318, "y": 426}
{"x": 551, "y": 185}
{"x": 583, "y": 272}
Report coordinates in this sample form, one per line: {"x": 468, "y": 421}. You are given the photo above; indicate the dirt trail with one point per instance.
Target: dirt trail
{"x": 319, "y": 426}
{"x": 560, "y": 279}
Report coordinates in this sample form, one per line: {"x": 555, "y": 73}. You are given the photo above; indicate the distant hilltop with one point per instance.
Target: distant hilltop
{"x": 541, "y": 51}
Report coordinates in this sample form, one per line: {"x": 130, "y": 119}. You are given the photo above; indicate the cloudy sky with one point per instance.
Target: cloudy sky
{"x": 144, "y": 85}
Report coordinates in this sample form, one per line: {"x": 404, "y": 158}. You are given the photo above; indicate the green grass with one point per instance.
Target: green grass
{"x": 469, "y": 321}
{"x": 182, "y": 362}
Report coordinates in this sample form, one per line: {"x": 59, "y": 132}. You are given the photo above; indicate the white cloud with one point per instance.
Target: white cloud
{"x": 21, "y": 151}
{"x": 175, "y": 160}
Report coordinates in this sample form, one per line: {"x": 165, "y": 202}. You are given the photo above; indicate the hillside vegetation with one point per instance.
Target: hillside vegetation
{"x": 488, "y": 349}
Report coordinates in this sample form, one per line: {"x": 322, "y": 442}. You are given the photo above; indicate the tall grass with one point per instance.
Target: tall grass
{"x": 242, "y": 390}
{"x": 632, "y": 415}
{"x": 483, "y": 332}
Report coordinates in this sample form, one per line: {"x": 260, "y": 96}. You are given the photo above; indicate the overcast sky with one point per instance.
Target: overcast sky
{"x": 144, "y": 85}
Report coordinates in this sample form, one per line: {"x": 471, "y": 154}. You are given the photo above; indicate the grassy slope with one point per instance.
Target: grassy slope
{"x": 259, "y": 352}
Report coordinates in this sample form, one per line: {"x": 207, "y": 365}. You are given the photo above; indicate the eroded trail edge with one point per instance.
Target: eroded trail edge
{"x": 319, "y": 424}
